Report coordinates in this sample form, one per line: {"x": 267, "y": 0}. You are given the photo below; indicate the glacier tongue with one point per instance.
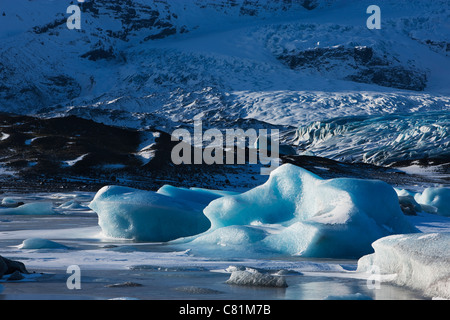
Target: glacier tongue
{"x": 381, "y": 140}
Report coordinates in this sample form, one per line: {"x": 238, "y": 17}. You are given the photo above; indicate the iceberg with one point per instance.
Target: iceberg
{"x": 39, "y": 243}
{"x": 407, "y": 202}
{"x": 437, "y": 198}
{"x": 148, "y": 216}
{"x": 337, "y": 218}
{"x": 34, "y": 208}
{"x": 10, "y": 202}
{"x": 71, "y": 204}
{"x": 419, "y": 261}
{"x": 294, "y": 213}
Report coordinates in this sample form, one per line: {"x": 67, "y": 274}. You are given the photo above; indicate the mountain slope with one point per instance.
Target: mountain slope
{"x": 174, "y": 57}
{"x": 285, "y": 63}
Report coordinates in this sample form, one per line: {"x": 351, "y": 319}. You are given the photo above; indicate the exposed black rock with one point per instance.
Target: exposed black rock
{"x": 367, "y": 65}
{"x": 8, "y": 266}
{"x": 72, "y": 153}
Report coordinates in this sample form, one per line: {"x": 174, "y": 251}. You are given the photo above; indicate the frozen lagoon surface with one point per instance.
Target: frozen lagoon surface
{"x": 119, "y": 268}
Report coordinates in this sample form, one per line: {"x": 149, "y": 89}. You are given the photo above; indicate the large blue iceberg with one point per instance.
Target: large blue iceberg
{"x": 294, "y": 213}
{"x": 140, "y": 215}
{"x": 311, "y": 216}
{"x": 436, "y": 198}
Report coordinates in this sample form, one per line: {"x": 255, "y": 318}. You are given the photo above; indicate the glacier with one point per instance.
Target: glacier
{"x": 381, "y": 140}
{"x": 223, "y": 58}
{"x": 419, "y": 261}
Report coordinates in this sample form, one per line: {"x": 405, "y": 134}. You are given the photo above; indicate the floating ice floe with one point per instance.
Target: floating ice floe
{"x": 419, "y": 261}
{"x": 33, "y": 208}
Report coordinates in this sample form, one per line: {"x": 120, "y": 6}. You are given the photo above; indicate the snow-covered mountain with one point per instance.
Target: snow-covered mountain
{"x": 269, "y": 60}
{"x": 291, "y": 63}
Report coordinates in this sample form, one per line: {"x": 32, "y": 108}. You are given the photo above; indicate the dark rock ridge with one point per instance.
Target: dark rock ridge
{"x": 8, "y": 266}
{"x": 72, "y": 153}
{"x": 365, "y": 64}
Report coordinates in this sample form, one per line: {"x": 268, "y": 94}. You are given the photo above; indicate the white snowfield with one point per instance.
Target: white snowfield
{"x": 419, "y": 261}
{"x": 226, "y": 65}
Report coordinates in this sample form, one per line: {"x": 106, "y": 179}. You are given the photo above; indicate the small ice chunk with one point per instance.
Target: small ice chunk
{"x": 39, "y": 243}
{"x": 256, "y": 278}
{"x": 71, "y": 204}
{"x": 33, "y": 208}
